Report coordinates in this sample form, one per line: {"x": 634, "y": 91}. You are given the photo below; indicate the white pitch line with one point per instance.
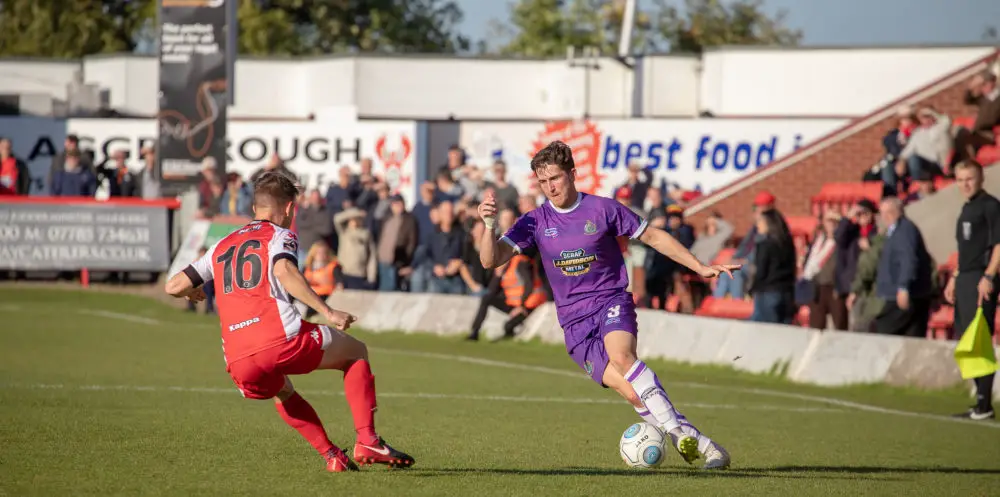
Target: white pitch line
{"x": 758, "y": 391}
{"x": 402, "y": 395}
{"x": 119, "y": 316}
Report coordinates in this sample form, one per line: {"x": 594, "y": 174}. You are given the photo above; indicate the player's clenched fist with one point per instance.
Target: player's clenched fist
{"x": 340, "y": 319}
{"x": 488, "y": 209}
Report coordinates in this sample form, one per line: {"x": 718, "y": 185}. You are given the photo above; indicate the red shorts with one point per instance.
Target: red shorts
{"x": 262, "y": 375}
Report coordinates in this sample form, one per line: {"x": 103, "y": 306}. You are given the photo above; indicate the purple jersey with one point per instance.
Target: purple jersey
{"x": 580, "y": 251}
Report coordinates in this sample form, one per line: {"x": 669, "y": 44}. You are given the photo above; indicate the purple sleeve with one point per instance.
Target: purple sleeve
{"x": 623, "y": 221}
{"x": 521, "y": 236}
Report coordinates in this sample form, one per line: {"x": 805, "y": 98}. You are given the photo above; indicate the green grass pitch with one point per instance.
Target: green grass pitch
{"x": 106, "y": 394}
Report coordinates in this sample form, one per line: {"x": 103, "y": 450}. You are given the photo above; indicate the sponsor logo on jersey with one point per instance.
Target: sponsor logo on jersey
{"x": 589, "y": 228}
{"x": 574, "y": 262}
{"x": 551, "y": 232}
{"x": 244, "y": 324}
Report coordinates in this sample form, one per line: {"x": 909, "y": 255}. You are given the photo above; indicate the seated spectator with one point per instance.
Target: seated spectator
{"x": 893, "y": 143}
{"x": 15, "y": 178}
{"x": 237, "y": 199}
{"x": 928, "y": 149}
{"x": 517, "y": 291}
{"x": 819, "y": 275}
{"x": 396, "y": 245}
{"x": 773, "y": 284}
{"x": 74, "y": 180}
{"x": 323, "y": 273}
{"x": 445, "y": 252}
{"x": 356, "y": 253}
{"x": 984, "y": 94}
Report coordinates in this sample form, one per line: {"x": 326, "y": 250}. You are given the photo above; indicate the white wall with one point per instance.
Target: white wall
{"x": 36, "y": 77}
{"x": 728, "y": 82}
{"x": 821, "y": 82}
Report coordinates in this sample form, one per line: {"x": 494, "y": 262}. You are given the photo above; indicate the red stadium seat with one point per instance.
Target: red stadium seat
{"x": 988, "y": 155}
{"x": 963, "y": 121}
{"x": 724, "y": 256}
{"x": 941, "y": 323}
{"x": 725, "y": 308}
{"x": 841, "y": 196}
{"x": 949, "y": 265}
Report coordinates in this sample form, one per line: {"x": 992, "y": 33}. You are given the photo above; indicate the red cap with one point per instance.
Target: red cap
{"x": 690, "y": 195}
{"x": 623, "y": 193}
{"x": 763, "y": 198}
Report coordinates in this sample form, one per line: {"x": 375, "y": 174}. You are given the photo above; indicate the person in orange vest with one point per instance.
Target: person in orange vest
{"x": 517, "y": 290}
{"x": 322, "y": 272}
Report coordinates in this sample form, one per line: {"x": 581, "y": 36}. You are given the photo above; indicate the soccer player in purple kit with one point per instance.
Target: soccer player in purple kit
{"x": 576, "y": 235}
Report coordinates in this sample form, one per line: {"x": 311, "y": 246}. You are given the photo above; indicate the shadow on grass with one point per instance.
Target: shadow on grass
{"x": 862, "y": 470}
{"x": 637, "y": 473}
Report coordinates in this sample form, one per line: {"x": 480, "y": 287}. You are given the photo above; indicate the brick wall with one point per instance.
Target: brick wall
{"x": 844, "y": 161}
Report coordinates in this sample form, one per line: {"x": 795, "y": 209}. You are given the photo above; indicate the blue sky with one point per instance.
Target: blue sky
{"x": 833, "y": 22}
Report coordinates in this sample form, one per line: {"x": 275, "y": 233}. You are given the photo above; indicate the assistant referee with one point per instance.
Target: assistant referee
{"x": 975, "y": 280}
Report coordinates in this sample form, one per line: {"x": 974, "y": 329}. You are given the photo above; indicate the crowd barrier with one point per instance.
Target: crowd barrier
{"x": 84, "y": 234}
{"x": 829, "y": 358}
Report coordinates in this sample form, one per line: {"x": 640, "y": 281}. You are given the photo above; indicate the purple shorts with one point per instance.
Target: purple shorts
{"x": 585, "y": 338}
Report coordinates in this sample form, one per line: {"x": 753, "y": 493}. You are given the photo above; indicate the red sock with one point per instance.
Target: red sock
{"x": 359, "y": 388}
{"x": 301, "y": 416}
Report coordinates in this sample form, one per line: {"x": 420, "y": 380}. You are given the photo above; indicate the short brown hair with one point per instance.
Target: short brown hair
{"x": 969, "y": 164}
{"x": 557, "y": 153}
{"x": 274, "y": 187}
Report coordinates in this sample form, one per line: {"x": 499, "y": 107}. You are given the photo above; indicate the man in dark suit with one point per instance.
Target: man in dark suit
{"x": 904, "y": 275}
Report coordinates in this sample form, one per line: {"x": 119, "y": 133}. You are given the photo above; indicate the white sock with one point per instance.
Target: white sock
{"x": 646, "y": 416}
{"x": 648, "y": 387}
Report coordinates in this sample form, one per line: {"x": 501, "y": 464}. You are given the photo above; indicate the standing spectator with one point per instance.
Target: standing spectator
{"x": 447, "y": 189}
{"x": 15, "y": 179}
{"x": 904, "y": 275}
{"x": 110, "y": 174}
{"x": 380, "y": 209}
{"x": 476, "y": 277}
{"x": 275, "y": 163}
{"x": 396, "y": 245}
{"x": 654, "y": 204}
{"x": 657, "y": 269}
{"x": 367, "y": 197}
{"x": 773, "y": 284}
{"x": 314, "y": 224}
{"x": 237, "y": 199}
{"x": 853, "y": 237}
{"x": 456, "y": 159}
{"x": 863, "y": 303}
{"x": 983, "y": 93}
{"x": 683, "y": 233}
{"x": 419, "y": 271}
{"x": 209, "y": 189}
{"x": 819, "y": 273}
{"x": 974, "y": 283}
{"x": 341, "y": 195}
{"x": 736, "y": 285}
{"x": 929, "y": 147}
{"x": 473, "y": 183}
{"x": 517, "y": 290}
{"x": 75, "y": 180}
{"x": 356, "y": 253}
{"x": 445, "y": 252}
{"x": 71, "y": 146}
{"x": 149, "y": 176}
{"x": 638, "y": 183}
{"x": 506, "y": 195}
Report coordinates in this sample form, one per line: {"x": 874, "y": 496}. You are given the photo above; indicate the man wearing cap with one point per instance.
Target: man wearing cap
{"x": 735, "y": 285}
{"x": 396, "y": 245}
{"x": 974, "y": 283}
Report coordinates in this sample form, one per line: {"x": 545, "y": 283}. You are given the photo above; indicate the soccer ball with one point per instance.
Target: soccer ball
{"x": 642, "y": 445}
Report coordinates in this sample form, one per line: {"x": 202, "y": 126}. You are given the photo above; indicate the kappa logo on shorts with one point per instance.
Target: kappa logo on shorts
{"x": 315, "y": 335}
{"x": 574, "y": 262}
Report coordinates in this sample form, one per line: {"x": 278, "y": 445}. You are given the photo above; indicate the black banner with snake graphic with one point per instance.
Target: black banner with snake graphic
{"x": 193, "y": 83}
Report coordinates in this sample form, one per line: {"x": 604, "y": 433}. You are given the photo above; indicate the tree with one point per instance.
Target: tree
{"x": 71, "y": 28}
{"x": 545, "y": 28}
{"x": 712, "y": 23}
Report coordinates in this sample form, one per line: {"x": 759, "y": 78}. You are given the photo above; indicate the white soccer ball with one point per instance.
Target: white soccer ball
{"x": 642, "y": 446}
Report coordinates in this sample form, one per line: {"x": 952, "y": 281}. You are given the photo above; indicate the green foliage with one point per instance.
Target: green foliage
{"x": 713, "y": 23}
{"x": 71, "y": 28}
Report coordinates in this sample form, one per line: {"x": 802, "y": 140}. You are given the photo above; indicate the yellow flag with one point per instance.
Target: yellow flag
{"x": 974, "y": 354}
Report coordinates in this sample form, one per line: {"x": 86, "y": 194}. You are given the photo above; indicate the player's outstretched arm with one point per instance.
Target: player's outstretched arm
{"x": 662, "y": 242}
{"x": 292, "y": 280}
